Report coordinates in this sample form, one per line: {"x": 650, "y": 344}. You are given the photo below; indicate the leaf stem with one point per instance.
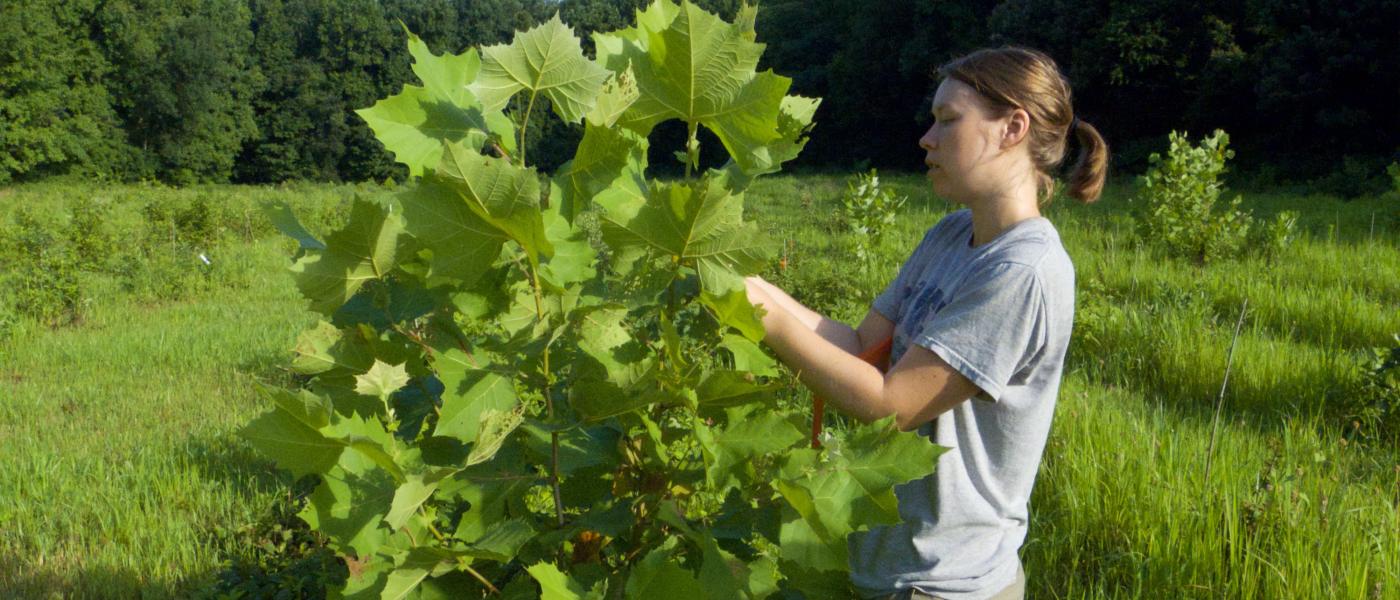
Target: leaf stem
{"x": 692, "y": 147}
{"x": 548, "y": 398}
{"x": 524, "y": 124}
{"x": 483, "y": 580}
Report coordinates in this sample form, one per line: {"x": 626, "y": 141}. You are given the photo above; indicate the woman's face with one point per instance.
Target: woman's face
{"x": 962, "y": 143}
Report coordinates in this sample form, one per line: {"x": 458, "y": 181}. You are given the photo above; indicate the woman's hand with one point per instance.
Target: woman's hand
{"x": 775, "y": 315}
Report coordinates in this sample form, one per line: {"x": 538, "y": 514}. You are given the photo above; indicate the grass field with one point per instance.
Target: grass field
{"x": 121, "y": 475}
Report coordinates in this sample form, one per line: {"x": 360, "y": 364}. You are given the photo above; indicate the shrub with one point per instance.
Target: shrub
{"x": 42, "y": 279}
{"x": 1394, "y": 171}
{"x": 1375, "y": 408}
{"x": 869, "y": 211}
{"x": 1271, "y": 238}
{"x": 1181, "y": 192}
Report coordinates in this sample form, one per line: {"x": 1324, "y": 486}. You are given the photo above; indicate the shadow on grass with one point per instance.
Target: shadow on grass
{"x": 21, "y": 580}
{"x": 275, "y": 555}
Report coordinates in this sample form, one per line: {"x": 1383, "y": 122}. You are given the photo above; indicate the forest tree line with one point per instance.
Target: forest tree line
{"x": 187, "y": 91}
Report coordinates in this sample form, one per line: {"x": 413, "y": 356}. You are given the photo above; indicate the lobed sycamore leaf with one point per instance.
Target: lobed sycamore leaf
{"x": 291, "y": 443}
{"x": 615, "y": 374}
{"x": 471, "y": 388}
{"x": 381, "y": 380}
{"x": 555, "y": 585}
{"x": 502, "y": 540}
{"x": 546, "y": 60}
{"x": 609, "y": 160}
{"x": 408, "y": 497}
{"x": 414, "y": 124}
{"x": 463, "y": 245}
{"x": 574, "y": 256}
{"x": 658, "y": 576}
{"x": 281, "y": 216}
{"x": 614, "y": 99}
{"x": 749, "y": 357}
{"x": 727, "y": 450}
{"x": 496, "y": 427}
{"x": 691, "y": 65}
{"x": 847, "y": 489}
{"x": 347, "y": 508}
{"x": 366, "y": 248}
{"x": 503, "y": 195}
{"x": 700, "y": 227}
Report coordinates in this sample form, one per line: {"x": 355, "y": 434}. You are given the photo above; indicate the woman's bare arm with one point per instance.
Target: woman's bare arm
{"x": 873, "y": 329}
{"x": 917, "y": 390}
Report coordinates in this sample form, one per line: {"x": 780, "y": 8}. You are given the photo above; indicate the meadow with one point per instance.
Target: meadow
{"x": 134, "y": 321}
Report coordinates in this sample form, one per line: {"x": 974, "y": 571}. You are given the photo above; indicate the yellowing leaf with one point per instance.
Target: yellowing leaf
{"x": 382, "y": 380}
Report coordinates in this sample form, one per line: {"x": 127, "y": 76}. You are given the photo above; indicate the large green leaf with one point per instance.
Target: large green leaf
{"x": 415, "y": 123}
{"x": 608, "y": 159}
{"x": 324, "y": 348}
{"x": 291, "y": 443}
{"x": 555, "y": 585}
{"x": 463, "y": 245}
{"x": 417, "y": 564}
{"x": 471, "y": 387}
{"x": 544, "y": 60}
{"x": 700, "y": 69}
{"x": 849, "y": 488}
{"x": 280, "y": 213}
{"x": 747, "y": 434}
{"x": 658, "y": 576}
{"x": 408, "y": 497}
{"x": 698, "y": 226}
{"x": 366, "y": 248}
{"x": 348, "y": 508}
{"x": 574, "y": 256}
{"x": 381, "y": 380}
{"x": 616, "y": 374}
{"x": 501, "y": 541}
{"x": 503, "y": 195}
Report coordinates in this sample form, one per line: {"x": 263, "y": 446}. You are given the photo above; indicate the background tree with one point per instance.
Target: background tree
{"x": 183, "y": 81}
{"x": 55, "y": 112}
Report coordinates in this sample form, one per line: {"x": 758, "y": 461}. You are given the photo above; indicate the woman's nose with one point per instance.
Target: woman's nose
{"x": 927, "y": 142}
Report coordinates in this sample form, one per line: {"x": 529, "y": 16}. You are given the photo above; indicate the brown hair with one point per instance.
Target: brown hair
{"x": 1011, "y": 77}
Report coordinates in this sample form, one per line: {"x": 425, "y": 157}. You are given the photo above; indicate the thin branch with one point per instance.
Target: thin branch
{"x": 1220, "y": 401}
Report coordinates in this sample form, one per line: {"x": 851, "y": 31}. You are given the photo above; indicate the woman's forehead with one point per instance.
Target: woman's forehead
{"x": 954, "y": 94}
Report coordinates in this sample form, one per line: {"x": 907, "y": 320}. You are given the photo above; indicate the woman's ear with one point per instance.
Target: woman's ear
{"x": 1018, "y": 126}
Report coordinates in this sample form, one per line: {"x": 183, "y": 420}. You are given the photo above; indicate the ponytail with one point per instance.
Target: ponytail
{"x": 1090, "y": 170}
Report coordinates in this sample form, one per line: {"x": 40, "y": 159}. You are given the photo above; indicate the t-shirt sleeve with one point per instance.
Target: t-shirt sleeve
{"x": 991, "y": 329}
{"x": 889, "y": 302}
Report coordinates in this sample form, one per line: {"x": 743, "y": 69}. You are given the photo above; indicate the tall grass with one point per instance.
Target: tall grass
{"x": 122, "y": 475}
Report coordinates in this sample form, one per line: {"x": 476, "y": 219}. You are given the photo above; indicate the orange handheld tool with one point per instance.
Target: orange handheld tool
{"x": 878, "y": 355}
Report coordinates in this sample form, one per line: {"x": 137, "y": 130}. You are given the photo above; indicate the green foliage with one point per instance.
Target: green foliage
{"x": 1269, "y": 239}
{"x": 186, "y": 83}
{"x": 57, "y": 111}
{"x": 1181, "y": 191}
{"x": 870, "y": 211}
{"x": 42, "y": 278}
{"x": 504, "y": 382}
{"x": 1375, "y": 406}
{"x": 1394, "y": 172}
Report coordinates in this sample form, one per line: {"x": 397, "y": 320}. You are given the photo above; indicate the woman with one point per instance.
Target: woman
{"x": 980, "y": 317}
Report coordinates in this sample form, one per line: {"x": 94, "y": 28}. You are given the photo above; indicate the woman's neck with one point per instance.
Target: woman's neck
{"x": 994, "y": 214}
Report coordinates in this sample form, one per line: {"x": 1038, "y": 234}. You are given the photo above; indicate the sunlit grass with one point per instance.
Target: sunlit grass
{"x": 122, "y": 475}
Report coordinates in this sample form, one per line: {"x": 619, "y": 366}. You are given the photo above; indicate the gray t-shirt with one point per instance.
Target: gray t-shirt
{"x": 1000, "y": 314}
